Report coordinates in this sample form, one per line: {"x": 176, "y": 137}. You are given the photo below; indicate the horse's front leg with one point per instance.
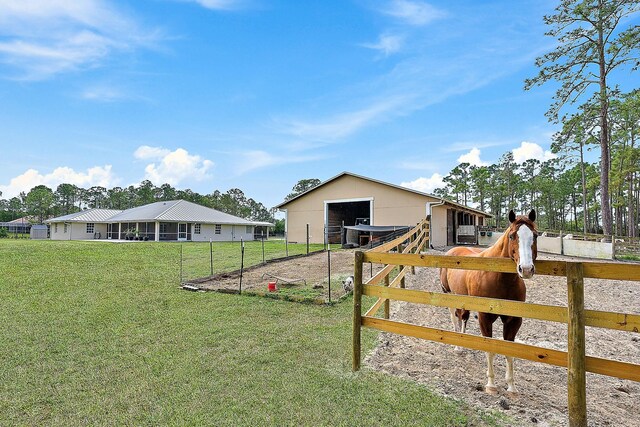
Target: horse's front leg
{"x": 486, "y": 328}
{"x": 510, "y": 329}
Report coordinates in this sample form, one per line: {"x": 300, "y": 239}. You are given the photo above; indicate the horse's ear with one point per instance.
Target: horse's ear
{"x": 532, "y": 215}
{"x": 512, "y": 216}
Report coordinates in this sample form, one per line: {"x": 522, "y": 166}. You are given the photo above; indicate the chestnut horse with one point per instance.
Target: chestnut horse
{"x": 518, "y": 243}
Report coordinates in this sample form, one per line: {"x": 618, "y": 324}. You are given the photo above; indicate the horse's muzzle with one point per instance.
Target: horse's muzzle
{"x": 527, "y": 271}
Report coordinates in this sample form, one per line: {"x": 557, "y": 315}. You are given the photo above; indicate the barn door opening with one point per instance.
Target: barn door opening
{"x": 346, "y": 213}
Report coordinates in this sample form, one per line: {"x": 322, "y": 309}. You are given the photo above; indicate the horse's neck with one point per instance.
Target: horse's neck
{"x": 500, "y": 249}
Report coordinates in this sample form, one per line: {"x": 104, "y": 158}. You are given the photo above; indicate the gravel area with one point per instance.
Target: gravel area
{"x": 542, "y": 397}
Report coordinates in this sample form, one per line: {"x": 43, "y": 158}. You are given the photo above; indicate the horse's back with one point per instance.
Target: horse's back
{"x": 463, "y": 251}
{"x": 454, "y": 280}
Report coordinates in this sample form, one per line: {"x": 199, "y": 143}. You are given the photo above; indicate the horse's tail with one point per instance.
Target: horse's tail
{"x": 443, "y": 280}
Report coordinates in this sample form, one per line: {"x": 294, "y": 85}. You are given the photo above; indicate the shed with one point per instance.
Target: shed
{"x": 39, "y": 231}
{"x": 349, "y": 200}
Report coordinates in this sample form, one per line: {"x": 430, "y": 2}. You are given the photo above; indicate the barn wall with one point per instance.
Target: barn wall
{"x": 391, "y": 206}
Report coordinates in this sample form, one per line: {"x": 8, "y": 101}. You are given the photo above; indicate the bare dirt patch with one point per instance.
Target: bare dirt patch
{"x": 313, "y": 269}
{"x": 542, "y": 399}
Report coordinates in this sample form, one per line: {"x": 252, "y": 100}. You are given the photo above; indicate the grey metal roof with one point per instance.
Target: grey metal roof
{"x": 171, "y": 211}
{"x": 90, "y": 215}
{"x": 181, "y": 211}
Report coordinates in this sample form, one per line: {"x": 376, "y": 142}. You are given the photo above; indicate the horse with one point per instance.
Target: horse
{"x": 519, "y": 242}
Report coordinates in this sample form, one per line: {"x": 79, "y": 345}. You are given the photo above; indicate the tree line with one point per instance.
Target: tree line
{"x": 566, "y": 190}
{"x": 570, "y": 193}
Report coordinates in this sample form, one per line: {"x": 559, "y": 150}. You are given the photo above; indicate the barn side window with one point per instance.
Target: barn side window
{"x": 196, "y": 228}
{"x": 90, "y": 227}
{"x": 65, "y": 227}
{"x": 55, "y": 228}
{"x": 249, "y": 229}
{"x": 218, "y": 228}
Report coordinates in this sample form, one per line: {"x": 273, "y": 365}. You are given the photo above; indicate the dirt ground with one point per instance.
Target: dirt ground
{"x": 542, "y": 398}
{"x": 312, "y": 268}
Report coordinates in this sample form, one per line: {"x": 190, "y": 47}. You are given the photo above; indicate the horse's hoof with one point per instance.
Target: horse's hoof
{"x": 492, "y": 390}
{"x": 513, "y": 393}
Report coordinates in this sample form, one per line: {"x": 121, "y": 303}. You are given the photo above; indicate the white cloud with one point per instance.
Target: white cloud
{"x": 102, "y": 93}
{"x": 219, "y": 4}
{"x": 413, "y": 12}
{"x": 95, "y": 176}
{"x": 473, "y": 158}
{"x": 145, "y": 152}
{"x": 173, "y": 167}
{"x": 42, "y": 38}
{"x": 342, "y": 125}
{"x": 258, "y": 159}
{"x": 531, "y": 150}
{"x": 387, "y": 44}
{"x": 426, "y": 185}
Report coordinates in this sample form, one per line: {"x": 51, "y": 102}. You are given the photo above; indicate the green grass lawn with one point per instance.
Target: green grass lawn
{"x": 95, "y": 333}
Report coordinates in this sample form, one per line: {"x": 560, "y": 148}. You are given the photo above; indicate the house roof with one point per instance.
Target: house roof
{"x": 89, "y": 215}
{"x": 181, "y": 211}
{"x": 448, "y": 202}
{"x": 170, "y": 211}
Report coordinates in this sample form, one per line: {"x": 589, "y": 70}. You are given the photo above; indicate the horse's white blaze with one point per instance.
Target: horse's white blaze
{"x": 525, "y": 244}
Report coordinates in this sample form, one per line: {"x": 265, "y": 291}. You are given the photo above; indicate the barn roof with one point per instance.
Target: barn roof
{"x": 399, "y": 187}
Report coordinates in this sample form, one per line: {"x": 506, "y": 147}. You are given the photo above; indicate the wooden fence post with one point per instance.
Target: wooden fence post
{"x": 576, "y": 378}
{"x": 387, "y": 303}
{"x": 413, "y": 239}
{"x": 400, "y": 267}
{"x": 357, "y": 309}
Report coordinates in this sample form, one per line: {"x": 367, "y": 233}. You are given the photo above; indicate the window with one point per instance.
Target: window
{"x": 196, "y": 228}
{"x": 218, "y": 229}
{"x": 90, "y": 227}
{"x": 55, "y": 228}
{"x": 65, "y": 227}
{"x": 249, "y": 229}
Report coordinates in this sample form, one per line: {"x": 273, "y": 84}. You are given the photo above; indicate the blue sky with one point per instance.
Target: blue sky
{"x": 258, "y": 94}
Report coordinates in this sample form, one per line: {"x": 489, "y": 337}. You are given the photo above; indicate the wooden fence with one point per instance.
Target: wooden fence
{"x": 574, "y": 315}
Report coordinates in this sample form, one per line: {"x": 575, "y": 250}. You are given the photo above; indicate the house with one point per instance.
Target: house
{"x": 349, "y": 200}
{"x": 177, "y": 220}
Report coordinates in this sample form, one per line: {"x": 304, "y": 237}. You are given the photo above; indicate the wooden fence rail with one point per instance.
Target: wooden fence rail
{"x": 574, "y": 314}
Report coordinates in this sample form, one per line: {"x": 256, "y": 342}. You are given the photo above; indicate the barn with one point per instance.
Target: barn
{"x": 350, "y": 200}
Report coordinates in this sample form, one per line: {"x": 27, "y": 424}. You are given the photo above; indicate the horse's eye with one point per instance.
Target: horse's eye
{"x": 512, "y": 236}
